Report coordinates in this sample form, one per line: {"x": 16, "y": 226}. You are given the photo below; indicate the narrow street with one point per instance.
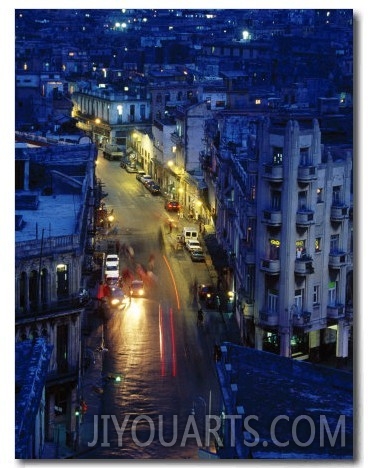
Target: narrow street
{"x": 158, "y": 362}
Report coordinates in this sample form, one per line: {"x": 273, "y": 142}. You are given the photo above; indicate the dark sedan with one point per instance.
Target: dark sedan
{"x": 197, "y": 255}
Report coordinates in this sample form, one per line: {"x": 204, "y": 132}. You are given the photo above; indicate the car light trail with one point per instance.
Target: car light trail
{"x": 167, "y": 341}
{"x": 173, "y": 279}
{"x": 173, "y": 353}
{"x": 160, "y": 327}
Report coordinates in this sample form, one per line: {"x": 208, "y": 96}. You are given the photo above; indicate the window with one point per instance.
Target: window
{"x": 274, "y": 249}
{"x": 298, "y": 300}
{"x": 336, "y": 192}
{"x": 272, "y": 300}
{"x": 300, "y": 247}
{"x": 304, "y": 156}
{"x": 142, "y": 112}
{"x": 302, "y": 200}
{"x": 276, "y": 200}
{"x": 277, "y": 156}
{"x": 334, "y": 243}
{"x": 332, "y": 293}
{"x": 62, "y": 280}
{"x": 158, "y": 99}
{"x": 317, "y": 244}
{"x": 319, "y": 195}
{"x": 316, "y": 294}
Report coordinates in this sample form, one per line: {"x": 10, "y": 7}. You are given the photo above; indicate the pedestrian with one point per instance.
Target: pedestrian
{"x": 170, "y": 227}
{"x": 151, "y": 262}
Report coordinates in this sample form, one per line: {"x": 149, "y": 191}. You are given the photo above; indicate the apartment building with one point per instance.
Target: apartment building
{"x": 284, "y": 216}
{"x": 109, "y": 114}
{"x": 54, "y": 215}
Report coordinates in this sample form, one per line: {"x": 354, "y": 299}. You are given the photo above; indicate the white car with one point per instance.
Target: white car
{"x": 112, "y": 260}
{"x": 145, "y": 178}
{"x": 192, "y": 244}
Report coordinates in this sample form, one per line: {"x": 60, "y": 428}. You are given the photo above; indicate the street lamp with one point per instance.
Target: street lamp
{"x": 97, "y": 121}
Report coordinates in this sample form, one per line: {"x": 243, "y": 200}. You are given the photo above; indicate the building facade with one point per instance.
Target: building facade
{"x": 54, "y": 211}
{"x": 284, "y": 217}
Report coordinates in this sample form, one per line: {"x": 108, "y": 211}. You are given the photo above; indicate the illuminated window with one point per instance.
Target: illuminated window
{"x": 277, "y": 156}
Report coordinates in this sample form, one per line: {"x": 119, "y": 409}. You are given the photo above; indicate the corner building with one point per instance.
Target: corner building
{"x": 293, "y": 289}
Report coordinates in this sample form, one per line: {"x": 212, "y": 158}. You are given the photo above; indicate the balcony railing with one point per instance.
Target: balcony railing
{"x": 307, "y": 173}
{"x": 176, "y": 139}
{"x": 268, "y": 318}
{"x": 50, "y": 245}
{"x": 270, "y": 266}
{"x": 304, "y": 217}
{"x": 336, "y": 312}
{"x": 247, "y": 253}
{"x": 272, "y": 218}
{"x": 338, "y": 213}
{"x": 337, "y": 259}
{"x": 301, "y": 319}
{"x": 273, "y": 172}
{"x": 304, "y": 266}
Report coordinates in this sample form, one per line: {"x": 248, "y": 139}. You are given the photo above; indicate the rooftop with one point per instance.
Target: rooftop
{"x": 296, "y": 405}
{"x": 56, "y": 214}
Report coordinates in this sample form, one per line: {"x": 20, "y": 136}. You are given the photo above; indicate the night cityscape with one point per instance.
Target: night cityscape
{"x": 184, "y": 187}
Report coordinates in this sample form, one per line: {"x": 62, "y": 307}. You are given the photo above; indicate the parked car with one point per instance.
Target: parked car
{"x": 154, "y": 189}
{"x": 140, "y": 173}
{"x": 172, "y": 205}
{"x": 148, "y": 182}
{"x": 192, "y": 244}
{"x": 131, "y": 168}
{"x": 197, "y": 255}
{"x": 145, "y": 178}
{"x": 137, "y": 288}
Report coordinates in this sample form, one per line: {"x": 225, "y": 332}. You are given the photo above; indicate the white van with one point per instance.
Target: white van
{"x": 189, "y": 233}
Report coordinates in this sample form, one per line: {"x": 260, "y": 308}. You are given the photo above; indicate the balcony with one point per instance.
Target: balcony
{"x": 338, "y": 213}
{"x": 176, "y": 139}
{"x": 304, "y": 218}
{"x": 272, "y": 267}
{"x": 272, "y": 218}
{"x": 247, "y": 253}
{"x": 337, "y": 260}
{"x": 336, "y": 312}
{"x": 301, "y": 319}
{"x": 307, "y": 174}
{"x": 273, "y": 172}
{"x": 304, "y": 266}
{"x": 248, "y": 310}
{"x": 268, "y": 318}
